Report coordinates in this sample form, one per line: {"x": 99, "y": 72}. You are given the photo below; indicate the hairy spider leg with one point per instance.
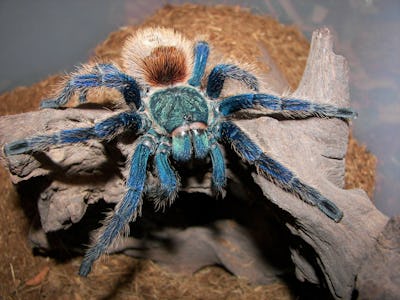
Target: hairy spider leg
{"x": 105, "y": 129}
{"x": 182, "y": 147}
{"x": 103, "y": 75}
{"x": 294, "y": 107}
{"x": 275, "y": 171}
{"x": 82, "y": 96}
{"x": 220, "y": 72}
{"x": 126, "y": 209}
{"x": 201, "y": 145}
{"x": 201, "y": 52}
{"x": 168, "y": 181}
{"x": 192, "y": 141}
{"x": 218, "y": 166}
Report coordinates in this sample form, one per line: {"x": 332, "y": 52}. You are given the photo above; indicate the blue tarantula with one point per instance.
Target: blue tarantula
{"x": 179, "y": 117}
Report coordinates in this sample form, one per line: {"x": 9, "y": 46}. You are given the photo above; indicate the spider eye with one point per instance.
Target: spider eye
{"x": 166, "y": 65}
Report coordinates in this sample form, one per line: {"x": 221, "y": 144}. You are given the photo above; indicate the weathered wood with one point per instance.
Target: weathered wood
{"x": 325, "y": 253}
{"x": 317, "y": 149}
{"x": 379, "y": 277}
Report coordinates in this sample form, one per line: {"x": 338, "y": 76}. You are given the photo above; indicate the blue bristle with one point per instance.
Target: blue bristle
{"x": 275, "y": 171}
{"x": 105, "y": 129}
{"x": 182, "y": 147}
{"x": 201, "y": 52}
{"x": 200, "y": 144}
{"x": 291, "y": 106}
{"x": 166, "y": 175}
{"x": 104, "y": 75}
{"x": 123, "y": 211}
{"x": 220, "y": 72}
{"x": 218, "y": 168}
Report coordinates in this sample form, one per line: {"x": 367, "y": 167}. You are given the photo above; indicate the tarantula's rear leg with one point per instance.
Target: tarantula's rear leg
{"x": 101, "y": 75}
{"x": 126, "y": 210}
{"x": 105, "y": 129}
{"x": 291, "y": 107}
{"x": 275, "y": 171}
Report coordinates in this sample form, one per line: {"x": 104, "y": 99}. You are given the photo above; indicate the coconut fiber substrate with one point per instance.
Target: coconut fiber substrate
{"x": 25, "y": 275}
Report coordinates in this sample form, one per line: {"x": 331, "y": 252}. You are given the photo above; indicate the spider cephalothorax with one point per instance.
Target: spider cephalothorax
{"x": 180, "y": 116}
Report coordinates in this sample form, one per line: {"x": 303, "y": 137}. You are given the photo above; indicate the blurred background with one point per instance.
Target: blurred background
{"x": 44, "y": 37}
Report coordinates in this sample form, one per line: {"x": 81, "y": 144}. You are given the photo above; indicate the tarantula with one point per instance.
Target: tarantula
{"x": 178, "y": 118}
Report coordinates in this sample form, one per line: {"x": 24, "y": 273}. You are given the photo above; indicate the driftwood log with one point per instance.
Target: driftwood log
{"x": 257, "y": 230}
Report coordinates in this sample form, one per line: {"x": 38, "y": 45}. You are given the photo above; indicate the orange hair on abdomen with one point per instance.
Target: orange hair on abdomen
{"x": 166, "y": 65}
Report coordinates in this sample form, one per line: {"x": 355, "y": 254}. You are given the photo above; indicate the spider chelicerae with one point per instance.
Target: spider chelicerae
{"x": 178, "y": 118}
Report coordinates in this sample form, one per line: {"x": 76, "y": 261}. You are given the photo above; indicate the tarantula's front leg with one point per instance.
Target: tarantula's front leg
{"x": 105, "y": 129}
{"x": 126, "y": 210}
{"x": 102, "y": 75}
{"x": 168, "y": 180}
{"x": 220, "y": 72}
{"x": 291, "y": 107}
{"x": 275, "y": 171}
{"x": 201, "y": 52}
{"x": 218, "y": 166}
